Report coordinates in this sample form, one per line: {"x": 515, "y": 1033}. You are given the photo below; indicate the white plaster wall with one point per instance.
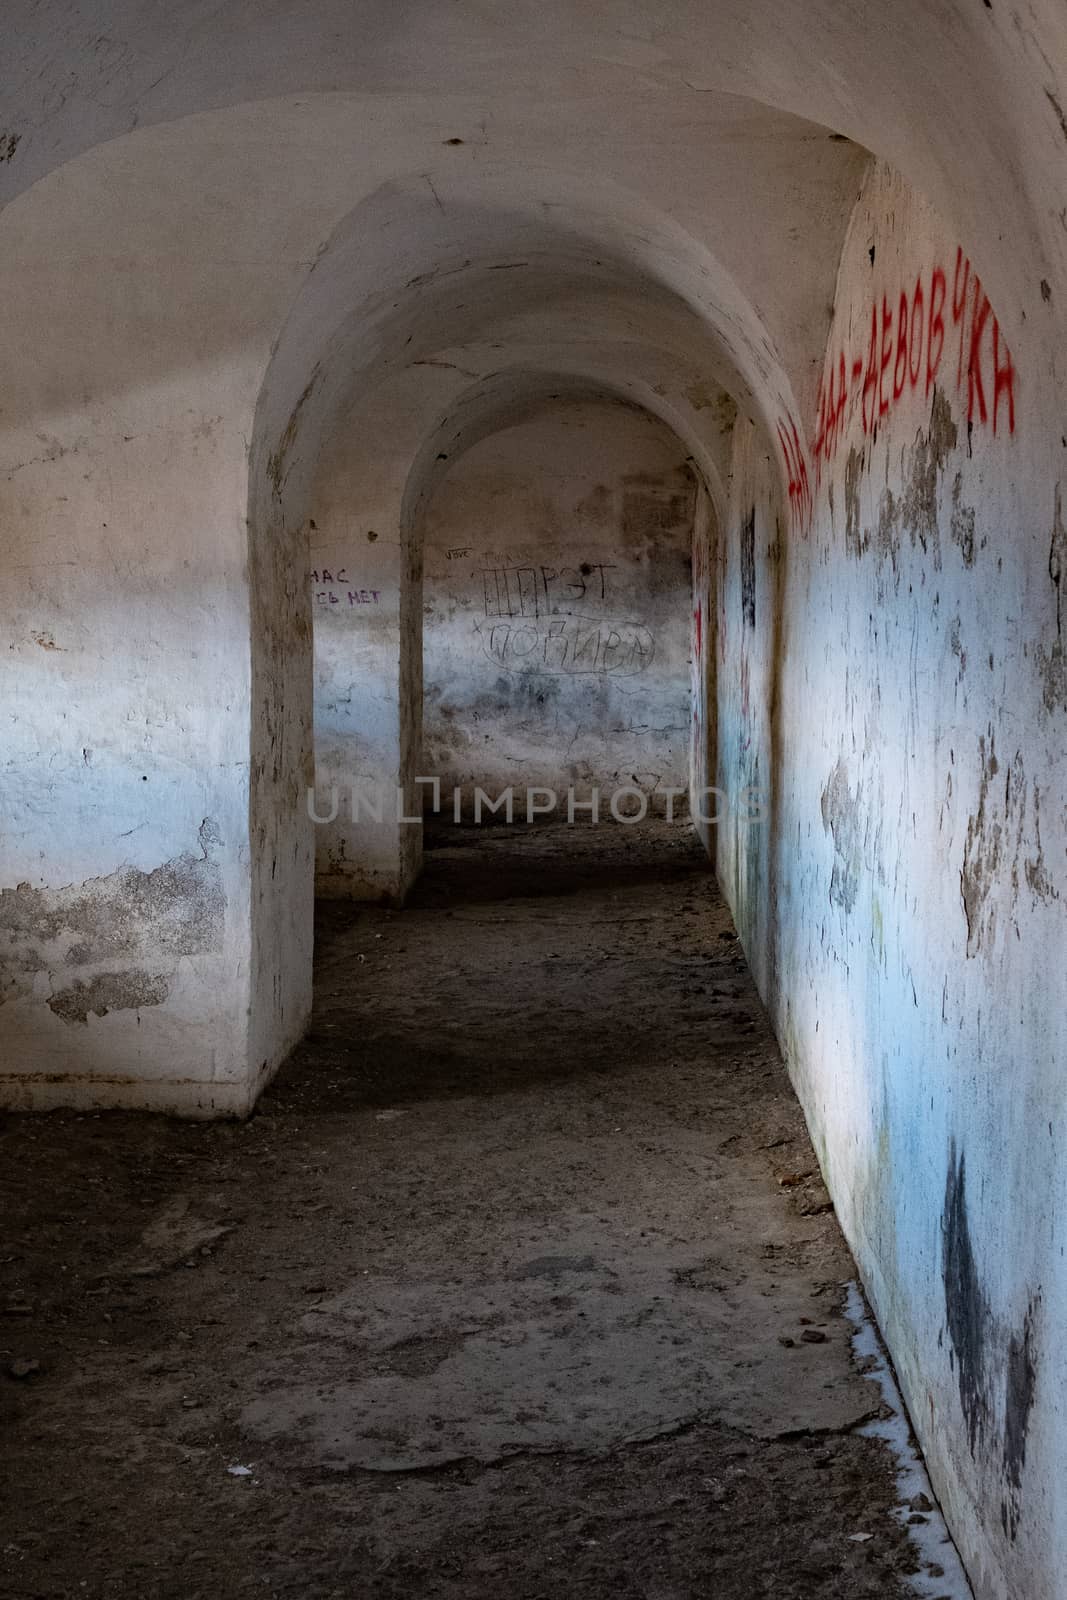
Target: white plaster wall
{"x": 132, "y": 358}
{"x": 891, "y": 671}
{"x": 124, "y": 763}
{"x": 355, "y": 581}
{"x": 556, "y": 605}
{"x": 363, "y": 582}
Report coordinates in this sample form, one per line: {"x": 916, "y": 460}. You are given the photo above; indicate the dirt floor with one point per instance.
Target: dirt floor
{"x": 521, "y": 1283}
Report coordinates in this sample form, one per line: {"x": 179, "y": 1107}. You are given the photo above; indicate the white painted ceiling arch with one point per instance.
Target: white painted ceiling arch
{"x": 299, "y": 224}
{"x": 506, "y": 398}
{"x": 429, "y": 265}
{"x": 964, "y": 99}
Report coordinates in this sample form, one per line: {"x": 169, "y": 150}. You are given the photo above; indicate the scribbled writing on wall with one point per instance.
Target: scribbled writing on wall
{"x": 337, "y": 589}
{"x": 544, "y": 591}
{"x": 553, "y": 619}
{"x": 568, "y": 645}
{"x": 938, "y": 328}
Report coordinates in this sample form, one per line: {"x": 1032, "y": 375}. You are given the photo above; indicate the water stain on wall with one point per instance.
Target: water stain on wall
{"x": 278, "y": 460}
{"x": 982, "y": 1348}
{"x": 748, "y": 568}
{"x": 1057, "y": 556}
{"x": 966, "y": 1306}
{"x": 652, "y": 504}
{"x": 1053, "y": 663}
{"x": 597, "y": 508}
{"x": 1020, "y": 1386}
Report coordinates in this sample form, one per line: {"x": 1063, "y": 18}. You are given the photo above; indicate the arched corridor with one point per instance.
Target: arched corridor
{"x": 757, "y": 306}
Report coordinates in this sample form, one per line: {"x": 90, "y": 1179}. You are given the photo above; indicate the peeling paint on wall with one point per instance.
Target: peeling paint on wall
{"x": 855, "y": 541}
{"x": 981, "y": 857}
{"x": 842, "y": 819}
{"x": 994, "y": 844}
{"x": 175, "y": 910}
{"x": 962, "y": 522}
{"x": 913, "y": 510}
{"x": 111, "y": 991}
{"x": 926, "y": 464}
{"x": 1037, "y": 872}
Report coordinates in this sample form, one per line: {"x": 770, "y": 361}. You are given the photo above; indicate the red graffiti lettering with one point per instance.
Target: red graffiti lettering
{"x": 959, "y": 284}
{"x": 801, "y": 500}
{"x": 937, "y": 325}
{"x": 960, "y": 279}
{"x": 1003, "y": 379}
{"x": 819, "y": 448}
{"x": 915, "y": 334}
{"x": 870, "y": 376}
{"x": 887, "y": 356}
{"x": 806, "y": 501}
{"x": 900, "y": 366}
{"x": 979, "y": 313}
{"x": 912, "y": 350}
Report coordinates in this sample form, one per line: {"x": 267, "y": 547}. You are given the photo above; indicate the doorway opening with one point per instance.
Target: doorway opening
{"x": 556, "y": 617}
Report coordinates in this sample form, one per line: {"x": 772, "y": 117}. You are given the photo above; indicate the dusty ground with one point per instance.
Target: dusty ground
{"x": 521, "y": 1283}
